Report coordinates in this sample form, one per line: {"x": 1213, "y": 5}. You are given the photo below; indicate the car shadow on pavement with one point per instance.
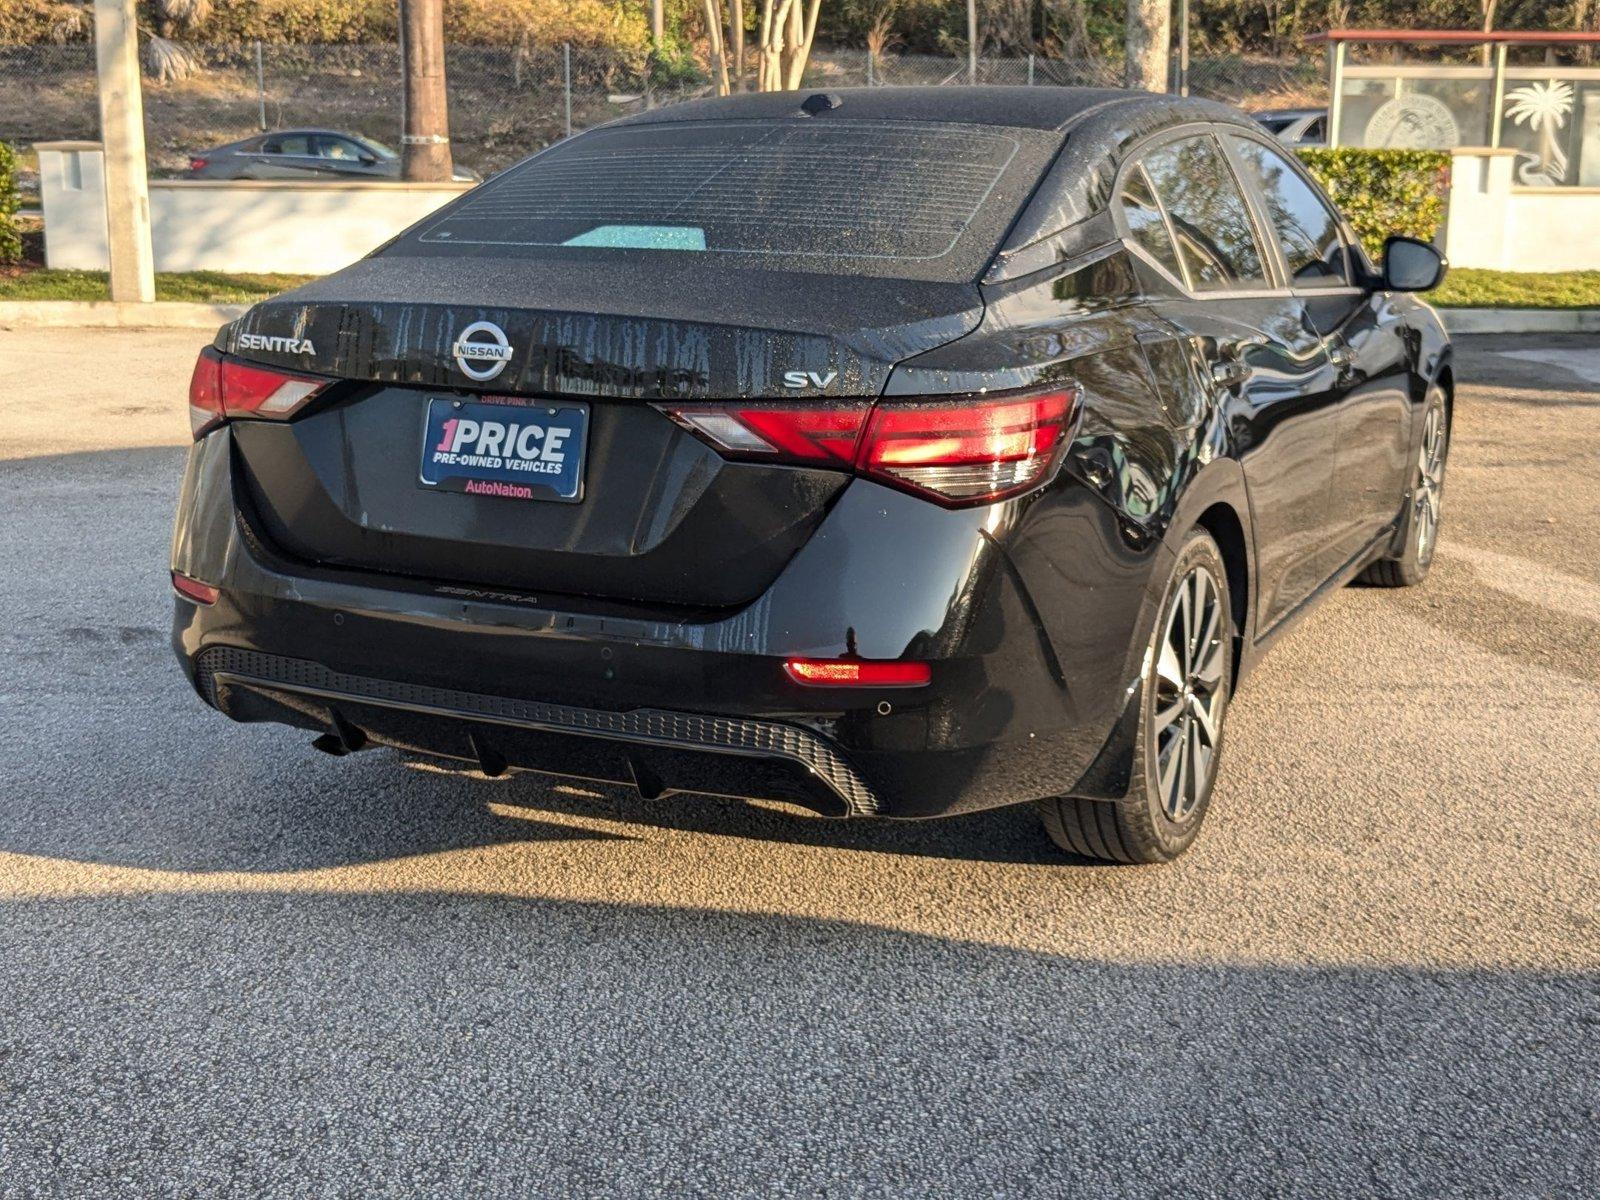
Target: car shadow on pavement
{"x": 401, "y": 1043}
{"x": 1005, "y": 835}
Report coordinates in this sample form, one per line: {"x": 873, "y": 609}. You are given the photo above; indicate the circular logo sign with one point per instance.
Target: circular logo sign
{"x": 1413, "y": 122}
{"x": 482, "y": 351}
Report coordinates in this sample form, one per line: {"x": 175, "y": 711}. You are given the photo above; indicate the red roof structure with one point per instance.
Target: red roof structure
{"x": 1476, "y": 37}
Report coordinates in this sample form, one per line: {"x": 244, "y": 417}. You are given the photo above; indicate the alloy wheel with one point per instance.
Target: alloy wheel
{"x": 1430, "y": 483}
{"x": 1190, "y": 693}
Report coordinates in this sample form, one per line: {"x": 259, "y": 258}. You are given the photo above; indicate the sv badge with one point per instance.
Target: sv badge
{"x": 805, "y": 379}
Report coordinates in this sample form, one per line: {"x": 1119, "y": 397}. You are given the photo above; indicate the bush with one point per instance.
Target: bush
{"x": 1384, "y": 192}
{"x": 10, "y": 235}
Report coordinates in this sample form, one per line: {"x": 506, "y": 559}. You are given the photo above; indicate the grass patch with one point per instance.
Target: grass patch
{"x": 198, "y": 287}
{"x": 1471, "y": 288}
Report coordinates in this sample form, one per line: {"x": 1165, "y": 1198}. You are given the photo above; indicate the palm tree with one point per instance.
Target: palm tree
{"x": 164, "y": 59}
{"x": 1543, "y": 107}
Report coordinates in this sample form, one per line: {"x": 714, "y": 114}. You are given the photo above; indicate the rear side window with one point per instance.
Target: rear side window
{"x": 1145, "y": 222}
{"x": 294, "y": 143}
{"x": 1216, "y": 239}
{"x": 885, "y": 198}
{"x": 1306, "y": 227}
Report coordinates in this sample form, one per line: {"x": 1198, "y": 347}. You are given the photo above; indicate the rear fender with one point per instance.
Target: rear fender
{"x": 1220, "y": 484}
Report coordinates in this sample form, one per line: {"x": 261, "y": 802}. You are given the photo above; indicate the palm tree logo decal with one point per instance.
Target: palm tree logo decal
{"x": 1543, "y": 107}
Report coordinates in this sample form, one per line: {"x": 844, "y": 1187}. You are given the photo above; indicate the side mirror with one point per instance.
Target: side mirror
{"x": 1410, "y": 265}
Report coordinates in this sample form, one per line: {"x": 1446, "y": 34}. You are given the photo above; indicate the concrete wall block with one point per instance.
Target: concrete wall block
{"x": 248, "y": 226}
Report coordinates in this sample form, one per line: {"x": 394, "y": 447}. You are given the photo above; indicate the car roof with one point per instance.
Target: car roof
{"x": 1045, "y": 108}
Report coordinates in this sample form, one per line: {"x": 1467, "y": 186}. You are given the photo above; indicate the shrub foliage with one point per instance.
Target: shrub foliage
{"x": 1384, "y": 192}
{"x": 10, "y": 236}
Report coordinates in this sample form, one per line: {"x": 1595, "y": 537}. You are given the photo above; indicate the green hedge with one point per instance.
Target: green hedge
{"x": 1384, "y": 192}
{"x": 10, "y": 235}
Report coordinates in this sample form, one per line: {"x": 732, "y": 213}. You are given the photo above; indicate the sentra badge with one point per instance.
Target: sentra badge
{"x": 277, "y": 345}
{"x": 482, "y": 351}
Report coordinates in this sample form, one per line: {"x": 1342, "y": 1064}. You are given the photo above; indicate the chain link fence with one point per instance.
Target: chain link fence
{"x": 505, "y": 102}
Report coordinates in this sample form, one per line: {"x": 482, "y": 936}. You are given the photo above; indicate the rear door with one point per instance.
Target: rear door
{"x": 1269, "y": 365}
{"x": 284, "y": 156}
{"x": 1363, "y": 334}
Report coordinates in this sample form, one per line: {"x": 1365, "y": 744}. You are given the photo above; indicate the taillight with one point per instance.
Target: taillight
{"x": 971, "y": 450}
{"x": 199, "y": 164}
{"x": 222, "y": 388}
{"x": 810, "y": 434}
{"x": 849, "y": 672}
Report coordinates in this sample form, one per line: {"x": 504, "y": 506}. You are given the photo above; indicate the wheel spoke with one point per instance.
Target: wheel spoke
{"x": 1177, "y": 808}
{"x": 1185, "y": 628}
{"x": 1197, "y": 779}
{"x": 1209, "y": 673}
{"x": 1208, "y": 632}
{"x": 1203, "y": 721}
{"x": 1166, "y": 716}
{"x": 1168, "y": 668}
{"x": 1169, "y": 763}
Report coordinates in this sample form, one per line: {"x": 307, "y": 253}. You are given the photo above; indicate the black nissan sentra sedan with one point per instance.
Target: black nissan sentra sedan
{"x": 890, "y": 453}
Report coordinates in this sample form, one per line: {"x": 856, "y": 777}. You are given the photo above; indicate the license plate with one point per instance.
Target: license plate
{"x": 505, "y": 449}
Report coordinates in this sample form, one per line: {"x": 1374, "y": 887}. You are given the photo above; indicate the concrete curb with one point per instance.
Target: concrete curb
{"x": 104, "y": 314}
{"x": 1520, "y": 320}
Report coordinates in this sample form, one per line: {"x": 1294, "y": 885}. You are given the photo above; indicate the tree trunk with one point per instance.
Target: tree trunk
{"x": 714, "y": 46}
{"x": 425, "y": 140}
{"x": 736, "y": 31}
{"x": 806, "y": 32}
{"x": 1149, "y": 34}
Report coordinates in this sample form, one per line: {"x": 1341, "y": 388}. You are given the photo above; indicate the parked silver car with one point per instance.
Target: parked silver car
{"x": 303, "y": 154}
{"x": 1296, "y": 126}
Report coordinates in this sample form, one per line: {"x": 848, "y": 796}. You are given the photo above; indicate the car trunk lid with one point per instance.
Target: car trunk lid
{"x": 661, "y": 517}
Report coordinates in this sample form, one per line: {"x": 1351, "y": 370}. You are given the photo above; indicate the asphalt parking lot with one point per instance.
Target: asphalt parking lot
{"x": 231, "y": 965}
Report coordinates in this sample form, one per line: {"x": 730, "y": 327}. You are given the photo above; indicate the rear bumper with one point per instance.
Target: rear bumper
{"x": 655, "y": 750}
{"x": 1030, "y": 658}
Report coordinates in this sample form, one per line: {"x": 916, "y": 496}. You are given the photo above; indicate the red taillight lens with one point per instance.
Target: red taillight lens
{"x": 956, "y": 452}
{"x": 824, "y": 436}
{"x": 197, "y": 164}
{"x": 222, "y": 388}
{"x": 193, "y": 589}
{"x": 205, "y": 392}
{"x": 970, "y": 451}
{"x": 841, "y": 672}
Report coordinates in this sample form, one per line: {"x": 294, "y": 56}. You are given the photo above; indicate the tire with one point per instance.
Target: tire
{"x": 1420, "y": 538}
{"x": 1183, "y": 704}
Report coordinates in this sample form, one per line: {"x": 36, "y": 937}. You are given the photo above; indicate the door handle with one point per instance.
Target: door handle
{"x": 1343, "y": 359}
{"x": 1230, "y": 372}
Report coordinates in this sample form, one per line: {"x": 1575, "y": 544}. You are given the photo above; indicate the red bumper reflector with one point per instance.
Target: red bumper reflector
{"x": 832, "y": 672}
{"x": 193, "y": 589}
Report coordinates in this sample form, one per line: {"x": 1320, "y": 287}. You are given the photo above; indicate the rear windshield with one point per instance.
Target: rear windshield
{"x": 869, "y": 198}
